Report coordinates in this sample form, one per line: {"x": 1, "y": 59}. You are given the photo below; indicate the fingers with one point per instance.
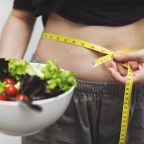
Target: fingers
{"x": 115, "y": 73}
{"x": 132, "y": 56}
{"x": 134, "y": 65}
{"x": 139, "y": 75}
{"x": 122, "y": 70}
{"x": 141, "y": 67}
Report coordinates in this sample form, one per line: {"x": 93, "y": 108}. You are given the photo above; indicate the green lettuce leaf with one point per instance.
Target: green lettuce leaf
{"x": 58, "y": 78}
{"x": 17, "y": 67}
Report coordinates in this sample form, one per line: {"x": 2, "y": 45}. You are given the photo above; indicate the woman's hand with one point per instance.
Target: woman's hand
{"x": 136, "y": 61}
{"x": 119, "y": 73}
{"x": 132, "y": 56}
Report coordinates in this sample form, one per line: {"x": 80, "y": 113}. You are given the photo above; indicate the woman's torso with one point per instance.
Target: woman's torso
{"x": 78, "y": 59}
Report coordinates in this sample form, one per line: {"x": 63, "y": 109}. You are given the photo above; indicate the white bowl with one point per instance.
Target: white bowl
{"x": 19, "y": 120}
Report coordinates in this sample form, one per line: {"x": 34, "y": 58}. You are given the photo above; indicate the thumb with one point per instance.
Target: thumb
{"x": 132, "y": 56}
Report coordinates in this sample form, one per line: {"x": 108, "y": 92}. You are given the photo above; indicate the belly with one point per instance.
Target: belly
{"x": 79, "y": 59}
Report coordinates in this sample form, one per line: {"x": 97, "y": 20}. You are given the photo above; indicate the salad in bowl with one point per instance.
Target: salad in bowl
{"x": 32, "y": 96}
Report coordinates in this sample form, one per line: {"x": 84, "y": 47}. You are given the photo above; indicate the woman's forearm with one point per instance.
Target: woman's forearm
{"x": 16, "y": 34}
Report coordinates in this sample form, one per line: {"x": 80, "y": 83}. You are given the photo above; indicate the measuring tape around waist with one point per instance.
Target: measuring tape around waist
{"x": 107, "y": 57}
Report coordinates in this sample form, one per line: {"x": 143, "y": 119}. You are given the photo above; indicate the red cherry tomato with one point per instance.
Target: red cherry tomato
{"x": 2, "y": 97}
{"x": 11, "y": 90}
{"x": 9, "y": 81}
{"x": 22, "y": 97}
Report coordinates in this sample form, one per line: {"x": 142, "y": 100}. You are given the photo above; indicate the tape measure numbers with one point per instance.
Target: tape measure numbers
{"x": 78, "y": 42}
{"x": 107, "y": 57}
{"x": 126, "y": 106}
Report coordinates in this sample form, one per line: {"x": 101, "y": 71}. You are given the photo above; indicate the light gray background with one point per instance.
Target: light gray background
{"x": 5, "y": 8}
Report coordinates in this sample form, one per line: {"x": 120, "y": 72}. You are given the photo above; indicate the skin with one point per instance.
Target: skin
{"x": 118, "y": 74}
{"x": 74, "y": 58}
{"x": 16, "y": 34}
{"x": 135, "y": 59}
{"x": 133, "y": 56}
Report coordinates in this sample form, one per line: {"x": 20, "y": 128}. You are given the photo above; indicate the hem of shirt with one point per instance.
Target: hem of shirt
{"x": 98, "y": 23}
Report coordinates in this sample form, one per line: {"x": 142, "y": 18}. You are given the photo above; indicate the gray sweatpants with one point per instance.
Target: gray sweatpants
{"x": 94, "y": 117}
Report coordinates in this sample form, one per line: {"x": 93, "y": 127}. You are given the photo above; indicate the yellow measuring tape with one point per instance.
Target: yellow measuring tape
{"x": 107, "y": 57}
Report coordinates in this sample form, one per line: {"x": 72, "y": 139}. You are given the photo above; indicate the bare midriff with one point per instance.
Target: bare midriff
{"x": 78, "y": 59}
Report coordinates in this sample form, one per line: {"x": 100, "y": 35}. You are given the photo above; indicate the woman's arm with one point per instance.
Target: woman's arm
{"x": 16, "y": 34}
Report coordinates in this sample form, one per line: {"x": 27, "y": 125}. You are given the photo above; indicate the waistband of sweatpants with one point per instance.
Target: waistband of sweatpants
{"x": 100, "y": 87}
{"x": 110, "y": 88}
